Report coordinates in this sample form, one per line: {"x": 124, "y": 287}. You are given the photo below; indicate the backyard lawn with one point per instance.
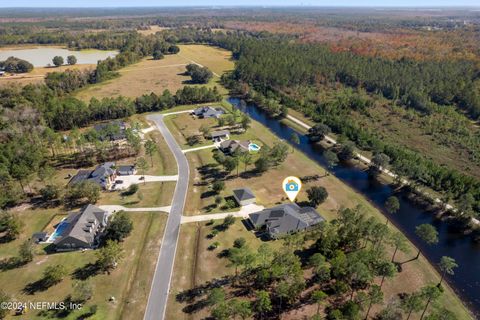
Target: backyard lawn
{"x": 129, "y": 283}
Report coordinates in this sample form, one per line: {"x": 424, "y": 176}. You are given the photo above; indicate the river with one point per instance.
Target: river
{"x": 466, "y": 281}
{"x": 42, "y": 56}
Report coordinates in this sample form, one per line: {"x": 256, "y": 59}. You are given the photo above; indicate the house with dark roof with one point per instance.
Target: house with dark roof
{"x": 104, "y": 175}
{"x": 111, "y": 131}
{"x": 126, "y": 170}
{"x": 244, "y": 196}
{"x": 232, "y": 146}
{"x": 83, "y": 229}
{"x": 220, "y": 135}
{"x": 285, "y": 219}
{"x": 208, "y": 112}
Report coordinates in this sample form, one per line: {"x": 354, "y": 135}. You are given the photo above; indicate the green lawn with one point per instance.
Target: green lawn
{"x": 148, "y": 229}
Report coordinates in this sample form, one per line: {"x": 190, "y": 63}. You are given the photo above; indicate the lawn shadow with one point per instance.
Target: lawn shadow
{"x": 87, "y": 271}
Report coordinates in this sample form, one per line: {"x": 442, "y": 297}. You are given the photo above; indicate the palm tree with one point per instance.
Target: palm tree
{"x": 446, "y": 265}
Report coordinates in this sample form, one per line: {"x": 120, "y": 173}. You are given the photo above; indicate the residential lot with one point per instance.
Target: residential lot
{"x": 129, "y": 283}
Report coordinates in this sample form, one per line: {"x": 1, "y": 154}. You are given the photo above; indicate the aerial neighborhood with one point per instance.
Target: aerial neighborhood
{"x": 217, "y": 163}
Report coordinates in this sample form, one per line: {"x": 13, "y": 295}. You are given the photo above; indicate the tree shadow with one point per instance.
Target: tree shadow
{"x": 87, "y": 271}
{"x": 38, "y": 286}
{"x": 11, "y": 263}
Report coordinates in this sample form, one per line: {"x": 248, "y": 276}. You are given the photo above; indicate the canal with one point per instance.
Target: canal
{"x": 466, "y": 281}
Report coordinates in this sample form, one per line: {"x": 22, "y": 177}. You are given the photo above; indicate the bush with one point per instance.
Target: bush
{"x": 71, "y": 60}
{"x": 50, "y": 192}
{"x": 217, "y": 187}
{"x": 317, "y": 195}
{"x": 158, "y": 55}
{"x": 58, "y": 61}
{"x": 239, "y": 242}
{"x": 132, "y": 189}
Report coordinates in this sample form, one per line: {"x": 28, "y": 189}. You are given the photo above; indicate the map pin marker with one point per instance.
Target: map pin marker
{"x": 292, "y": 186}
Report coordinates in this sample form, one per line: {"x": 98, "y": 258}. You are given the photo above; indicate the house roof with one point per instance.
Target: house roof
{"x": 286, "y": 218}
{"x": 233, "y": 145}
{"x": 208, "y": 111}
{"x": 220, "y": 133}
{"x": 243, "y": 194}
{"x": 118, "y": 135}
{"x": 99, "y": 175}
{"x": 82, "y": 225}
{"x": 128, "y": 167}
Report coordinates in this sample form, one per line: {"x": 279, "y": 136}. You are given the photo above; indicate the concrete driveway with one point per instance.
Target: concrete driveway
{"x": 127, "y": 181}
{"x": 242, "y": 213}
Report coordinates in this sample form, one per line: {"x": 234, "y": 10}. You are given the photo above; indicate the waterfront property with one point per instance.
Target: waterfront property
{"x": 244, "y": 196}
{"x": 208, "y": 112}
{"x": 104, "y": 175}
{"x": 285, "y": 219}
{"x": 80, "y": 230}
{"x": 232, "y": 146}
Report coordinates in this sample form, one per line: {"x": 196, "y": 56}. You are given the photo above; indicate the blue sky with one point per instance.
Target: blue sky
{"x": 136, "y": 3}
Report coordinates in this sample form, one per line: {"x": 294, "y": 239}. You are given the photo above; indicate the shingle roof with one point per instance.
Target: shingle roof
{"x": 233, "y": 145}
{"x": 220, "y": 133}
{"x": 99, "y": 175}
{"x": 243, "y": 194}
{"x": 286, "y": 218}
{"x": 84, "y": 224}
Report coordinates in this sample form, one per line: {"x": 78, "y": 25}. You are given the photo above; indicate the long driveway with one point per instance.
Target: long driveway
{"x": 158, "y": 298}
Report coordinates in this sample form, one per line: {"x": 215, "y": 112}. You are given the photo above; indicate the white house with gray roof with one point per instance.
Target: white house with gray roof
{"x": 104, "y": 175}
{"x": 208, "y": 112}
{"x": 83, "y": 229}
{"x": 285, "y": 219}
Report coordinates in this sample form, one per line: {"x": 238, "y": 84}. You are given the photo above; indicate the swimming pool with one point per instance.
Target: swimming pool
{"x": 58, "y": 231}
{"x": 253, "y": 147}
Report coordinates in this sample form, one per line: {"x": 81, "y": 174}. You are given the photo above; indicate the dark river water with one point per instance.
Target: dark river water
{"x": 466, "y": 281}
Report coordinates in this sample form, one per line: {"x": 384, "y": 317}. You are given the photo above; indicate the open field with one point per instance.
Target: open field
{"x": 153, "y": 29}
{"x": 129, "y": 283}
{"x": 195, "y": 264}
{"x": 193, "y": 244}
{"x": 157, "y": 75}
{"x": 150, "y": 194}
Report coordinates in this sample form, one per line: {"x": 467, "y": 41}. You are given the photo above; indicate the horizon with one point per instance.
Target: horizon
{"x": 86, "y": 4}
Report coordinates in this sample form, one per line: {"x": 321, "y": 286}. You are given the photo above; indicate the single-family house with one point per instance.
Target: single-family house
{"x": 220, "y": 135}
{"x": 104, "y": 175}
{"x": 208, "y": 112}
{"x": 126, "y": 170}
{"x": 244, "y": 196}
{"x": 83, "y": 229}
{"x": 285, "y": 219}
{"x": 232, "y": 146}
{"x": 111, "y": 131}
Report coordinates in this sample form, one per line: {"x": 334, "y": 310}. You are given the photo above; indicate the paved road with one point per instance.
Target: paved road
{"x": 157, "y": 300}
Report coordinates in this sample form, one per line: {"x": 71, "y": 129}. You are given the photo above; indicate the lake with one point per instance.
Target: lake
{"x": 42, "y": 56}
{"x": 465, "y": 282}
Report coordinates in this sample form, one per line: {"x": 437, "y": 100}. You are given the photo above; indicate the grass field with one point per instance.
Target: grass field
{"x": 129, "y": 283}
{"x": 157, "y": 75}
{"x": 193, "y": 244}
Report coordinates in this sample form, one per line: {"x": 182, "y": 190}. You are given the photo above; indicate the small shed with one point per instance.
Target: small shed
{"x": 244, "y": 196}
{"x": 39, "y": 237}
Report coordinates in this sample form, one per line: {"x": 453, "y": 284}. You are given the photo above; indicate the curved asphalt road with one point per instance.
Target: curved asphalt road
{"x": 157, "y": 300}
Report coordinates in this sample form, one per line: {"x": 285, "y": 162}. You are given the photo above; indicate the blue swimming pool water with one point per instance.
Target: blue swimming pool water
{"x": 253, "y": 147}
{"x": 59, "y": 230}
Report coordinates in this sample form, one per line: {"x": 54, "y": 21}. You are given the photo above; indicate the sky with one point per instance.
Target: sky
{"x": 137, "y": 3}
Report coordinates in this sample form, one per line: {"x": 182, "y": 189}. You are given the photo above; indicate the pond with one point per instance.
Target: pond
{"x": 466, "y": 281}
{"x": 42, "y": 56}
